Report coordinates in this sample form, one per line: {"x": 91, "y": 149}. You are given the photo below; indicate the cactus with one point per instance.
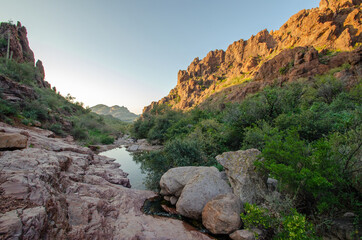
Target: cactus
{"x": 8, "y": 50}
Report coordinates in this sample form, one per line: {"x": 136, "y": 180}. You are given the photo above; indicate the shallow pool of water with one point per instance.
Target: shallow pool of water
{"x": 128, "y": 165}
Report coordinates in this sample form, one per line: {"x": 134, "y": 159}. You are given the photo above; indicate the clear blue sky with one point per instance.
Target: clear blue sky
{"x": 128, "y": 52}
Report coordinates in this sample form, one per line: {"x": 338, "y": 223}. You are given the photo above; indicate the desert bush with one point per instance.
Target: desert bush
{"x": 176, "y": 153}
{"x": 289, "y": 226}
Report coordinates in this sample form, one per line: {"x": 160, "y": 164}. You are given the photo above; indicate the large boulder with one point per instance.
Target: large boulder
{"x": 222, "y": 214}
{"x": 244, "y": 234}
{"x": 195, "y": 186}
{"x": 247, "y": 183}
{"x": 175, "y": 179}
{"x": 11, "y": 141}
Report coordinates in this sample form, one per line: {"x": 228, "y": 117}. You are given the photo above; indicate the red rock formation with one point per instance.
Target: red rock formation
{"x": 19, "y": 43}
{"x": 21, "y": 52}
{"x": 335, "y": 25}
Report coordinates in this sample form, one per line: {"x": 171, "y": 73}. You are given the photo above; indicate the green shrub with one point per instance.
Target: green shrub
{"x": 79, "y": 133}
{"x": 292, "y": 226}
{"x": 256, "y": 217}
{"x": 57, "y": 129}
{"x": 107, "y": 140}
{"x": 3, "y": 43}
{"x": 20, "y": 72}
{"x": 176, "y": 153}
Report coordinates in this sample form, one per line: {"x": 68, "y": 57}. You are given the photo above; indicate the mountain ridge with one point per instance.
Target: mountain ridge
{"x": 119, "y": 112}
{"x": 318, "y": 34}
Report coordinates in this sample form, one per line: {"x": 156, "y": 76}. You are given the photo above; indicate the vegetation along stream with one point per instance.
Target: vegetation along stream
{"x": 128, "y": 165}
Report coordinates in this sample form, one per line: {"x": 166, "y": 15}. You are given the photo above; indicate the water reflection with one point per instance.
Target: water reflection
{"x": 128, "y": 165}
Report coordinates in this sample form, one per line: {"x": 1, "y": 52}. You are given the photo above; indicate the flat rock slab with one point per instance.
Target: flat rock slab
{"x": 11, "y": 141}
{"x": 59, "y": 190}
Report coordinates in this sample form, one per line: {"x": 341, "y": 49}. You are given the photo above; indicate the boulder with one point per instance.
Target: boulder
{"x": 272, "y": 184}
{"x": 10, "y": 225}
{"x": 175, "y": 179}
{"x": 192, "y": 188}
{"x": 173, "y": 200}
{"x": 247, "y": 234}
{"x": 199, "y": 190}
{"x": 11, "y": 141}
{"x": 246, "y": 182}
{"x": 34, "y": 222}
{"x": 221, "y": 215}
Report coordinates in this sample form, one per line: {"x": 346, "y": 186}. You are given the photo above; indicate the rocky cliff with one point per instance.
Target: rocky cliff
{"x": 310, "y": 42}
{"x": 20, "y": 52}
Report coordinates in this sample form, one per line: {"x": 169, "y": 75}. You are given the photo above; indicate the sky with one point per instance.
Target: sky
{"x": 128, "y": 52}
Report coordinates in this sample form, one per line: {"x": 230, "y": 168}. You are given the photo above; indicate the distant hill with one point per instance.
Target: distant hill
{"x": 116, "y": 111}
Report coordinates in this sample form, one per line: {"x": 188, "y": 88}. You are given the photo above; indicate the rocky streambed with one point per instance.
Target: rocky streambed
{"x": 51, "y": 188}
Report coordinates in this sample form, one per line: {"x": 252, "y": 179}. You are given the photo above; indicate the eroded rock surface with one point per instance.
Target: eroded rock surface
{"x": 10, "y": 141}
{"x": 246, "y": 182}
{"x": 250, "y": 64}
{"x": 221, "y": 215}
{"x": 247, "y": 234}
{"x": 194, "y": 187}
{"x": 54, "y": 189}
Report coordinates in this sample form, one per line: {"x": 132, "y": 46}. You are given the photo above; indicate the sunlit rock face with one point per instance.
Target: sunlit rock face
{"x": 19, "y": 50}
{"x": 240, "y": 69}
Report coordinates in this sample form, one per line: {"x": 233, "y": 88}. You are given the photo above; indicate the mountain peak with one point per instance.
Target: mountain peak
{"x": 337, "y": 4}
{"x": 116, "y": 111}
{"x": 309, "y": 34}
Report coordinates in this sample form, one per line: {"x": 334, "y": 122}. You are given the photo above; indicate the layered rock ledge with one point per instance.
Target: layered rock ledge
{"x": 54, "y": 189}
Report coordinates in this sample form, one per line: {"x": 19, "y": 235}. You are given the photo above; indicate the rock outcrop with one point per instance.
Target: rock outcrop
{"x": 246, "y": 182}
{"x": 221, "y": 215}
{"x": 54, "y": 189}
{"x": 19, "y": 43}
{"x": 15, "y": 92}
{"x": 20, "y": 50}
{"x": 335, "y": 25}
{"x": 194, "y": 187}
{"x": 142, "y": 145}
{"x": 247, "y": 234}
{"x": 11, "y": 141}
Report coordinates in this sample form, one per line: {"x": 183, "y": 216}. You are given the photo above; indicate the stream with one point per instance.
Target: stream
{"x": 151, "y": 206}
{"x": 128, "y": 165}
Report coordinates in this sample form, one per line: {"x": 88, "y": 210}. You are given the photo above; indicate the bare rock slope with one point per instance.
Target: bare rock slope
{"x": 54, "y": 189}
{"x": 300, "y": 48}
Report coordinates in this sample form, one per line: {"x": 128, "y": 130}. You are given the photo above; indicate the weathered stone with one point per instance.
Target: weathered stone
{"x": 19, "y": 43}
{"x": 247, "y": 234}
{"x": 58, "y": 190}
{"x": 221, "y": 215}
{"x": 34, "y": 222}
{"x": 133, "y": 148}
{"x": 201, "y": 188}
{"x": 174, "y": 180}
{"x": 334, "y": 25}
{"x": 272, "y": 184}
{"x": 247, "y": 183}
{"x": 173, "y": 200}
{"x": 11, "y": 141}
{"x": 10, "y": 225}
